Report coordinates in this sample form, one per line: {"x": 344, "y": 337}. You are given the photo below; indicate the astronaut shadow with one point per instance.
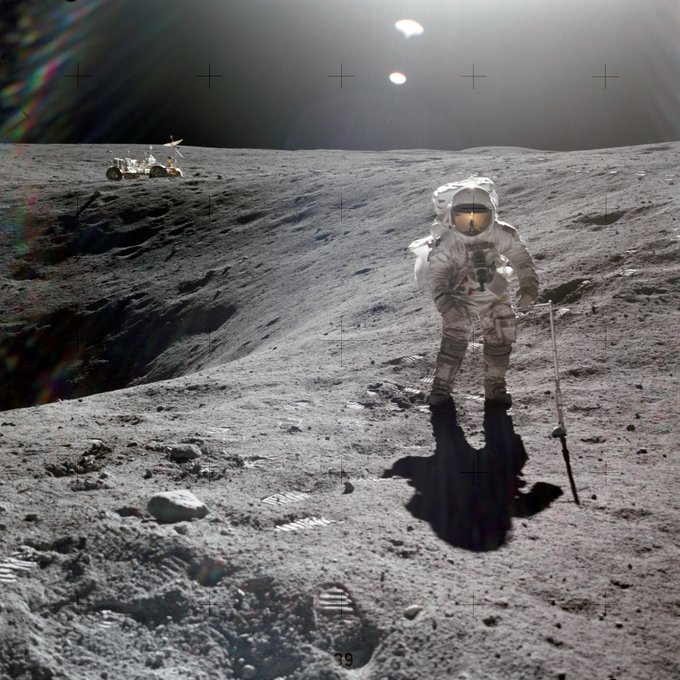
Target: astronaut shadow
{"x": 469, "y": 496}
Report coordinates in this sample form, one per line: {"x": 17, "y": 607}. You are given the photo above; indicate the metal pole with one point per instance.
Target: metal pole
{"x": 561, "y": 431}
{"x": 558, "y": 392}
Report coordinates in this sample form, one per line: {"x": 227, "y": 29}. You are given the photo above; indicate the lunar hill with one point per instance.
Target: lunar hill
{"x": 251, "y": 334}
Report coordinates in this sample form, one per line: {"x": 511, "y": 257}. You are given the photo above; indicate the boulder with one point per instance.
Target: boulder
{"x": 182, "y": 452}
{"x": 176, "y": 506}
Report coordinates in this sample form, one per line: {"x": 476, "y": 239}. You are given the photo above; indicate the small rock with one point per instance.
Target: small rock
{"x": 249, "y": 672}
{"x": 630, "y": 428}
{"x": 293, "y": 429}
{"x": 182, "y": 452}
{"x": 176, "y": 506}
{"x": 349, "y": 487}
{"x": 97, "y": 446}
{"x": 595, "y": 439}
{"x": 155, "y": 660}
{"x": 155, "y": 445}
{"x": 412, "y": 611}
{"x": 31, "y": 517}
{"x": 129, "y": 511}
{"x": 641, "y": 451}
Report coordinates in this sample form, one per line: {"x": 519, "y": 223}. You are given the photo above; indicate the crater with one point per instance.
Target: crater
{"x": 149, "y": 611}
{"x": 112, "y": 344}
{"x": 209, "y": 572}
{"x": 247, "y": 218}
{"x": 602, "y": 219}
{"x": 570, "y": 291}
{"x": 95, "y": 241}
{"x": 191, "y": 286}
{"x": 134, "y": 214}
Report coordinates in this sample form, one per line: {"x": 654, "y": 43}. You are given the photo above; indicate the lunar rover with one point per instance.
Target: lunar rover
{"x": 130, "y": 168}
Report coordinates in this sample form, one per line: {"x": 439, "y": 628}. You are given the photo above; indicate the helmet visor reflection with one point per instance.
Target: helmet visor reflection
{"x": 471, "y": 219}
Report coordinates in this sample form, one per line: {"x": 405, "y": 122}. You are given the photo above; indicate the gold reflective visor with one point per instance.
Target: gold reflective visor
{"x": 471, "y": 219}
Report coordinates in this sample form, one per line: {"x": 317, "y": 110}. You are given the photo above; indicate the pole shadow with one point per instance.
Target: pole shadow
{"x": 469, "y": 496}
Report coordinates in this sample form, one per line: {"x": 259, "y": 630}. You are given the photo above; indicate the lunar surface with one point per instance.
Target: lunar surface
{"x": 217, "y": 458}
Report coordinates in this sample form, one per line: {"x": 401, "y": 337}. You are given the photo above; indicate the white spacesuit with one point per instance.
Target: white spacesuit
{"x": 464, "y": 281}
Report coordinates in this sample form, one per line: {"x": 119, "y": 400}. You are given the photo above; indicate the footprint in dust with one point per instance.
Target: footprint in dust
{"x": 342, "y": 629}
{"x": 109, "y": 619}
{"x": 335, "y": 601}
{"x": 409, "y": 360}
{"x": 12, "y": 566}
{"x": 287, "y": 497}
{"x": 304, "y": 523}
{"x": 428, "y": 379}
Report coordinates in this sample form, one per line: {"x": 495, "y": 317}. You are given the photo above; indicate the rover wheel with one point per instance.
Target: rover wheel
{"x": 113, "y": 173}
{"x": 158, "y": 171}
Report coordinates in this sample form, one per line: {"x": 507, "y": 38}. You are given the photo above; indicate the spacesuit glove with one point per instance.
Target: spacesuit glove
{"x": 526, "y": 299}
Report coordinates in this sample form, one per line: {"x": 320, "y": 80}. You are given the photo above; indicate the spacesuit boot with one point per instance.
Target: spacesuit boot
{"x": 496, "y": 360}
{"x": 448, "y": 362}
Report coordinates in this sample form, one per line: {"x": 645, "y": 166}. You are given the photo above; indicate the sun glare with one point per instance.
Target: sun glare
{"x": 397, "y": 78}
{"x": 409, "y": 27}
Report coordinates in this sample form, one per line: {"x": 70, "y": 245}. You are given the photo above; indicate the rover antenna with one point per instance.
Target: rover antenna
{"x": 174, "y": 144}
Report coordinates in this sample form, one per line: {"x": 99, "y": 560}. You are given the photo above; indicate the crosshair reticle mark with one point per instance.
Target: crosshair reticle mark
{"x": 341, "y": 76}
{"x": 77, "y": 76}
{"x": 342, "y": 341}
{"x": 210, "y": 76}
{"x": 78, "y": 339}
{"x": 472, "y": 604}
{"x": 605, "y": 76}
{"x": 604, "y": 611}
{"x": 473, "y": 472}
{"x": 473, "y": 76}
{"x": 604, "y": 473}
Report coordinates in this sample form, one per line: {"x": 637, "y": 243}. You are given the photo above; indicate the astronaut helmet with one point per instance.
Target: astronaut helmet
{"x": 471, "y": 212}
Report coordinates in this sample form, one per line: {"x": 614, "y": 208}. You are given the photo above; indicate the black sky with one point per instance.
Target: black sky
{"x": 272, "y": 60}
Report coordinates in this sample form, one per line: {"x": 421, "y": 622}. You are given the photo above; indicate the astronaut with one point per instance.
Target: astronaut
{"x": 465, "y": 282}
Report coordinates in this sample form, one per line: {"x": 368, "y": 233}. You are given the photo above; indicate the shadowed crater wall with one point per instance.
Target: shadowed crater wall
{"x": 109, "y": 345}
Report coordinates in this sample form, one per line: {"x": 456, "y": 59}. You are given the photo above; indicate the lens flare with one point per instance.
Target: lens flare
{"x": 397, "y": 78}
{"x": 409, "y": 27}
